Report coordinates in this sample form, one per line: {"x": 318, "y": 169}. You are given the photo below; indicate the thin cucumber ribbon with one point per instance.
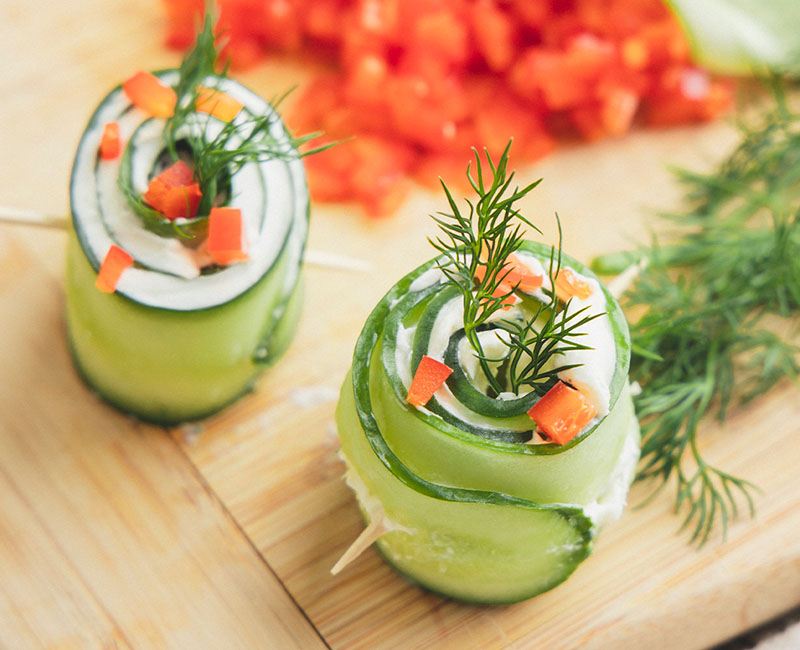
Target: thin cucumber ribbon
{"x": 271, "y": 194}
{"x": 379, "y": 336}
{"x": 435, "y": 476}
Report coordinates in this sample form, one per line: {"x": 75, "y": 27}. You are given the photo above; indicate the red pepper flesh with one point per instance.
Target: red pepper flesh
{"x": 173, "y": 194}
{"x": 110, "y": 145}
{"x": 429, "y": 376}
{"x": 148, "y": 93}
{"x": 115, "y": 262}
{"x": 562, "y": 413}
{"x": 226, "y": 242}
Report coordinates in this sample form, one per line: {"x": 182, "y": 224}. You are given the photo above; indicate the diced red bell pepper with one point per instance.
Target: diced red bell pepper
{"x": 173, "y": 192}
{"x": 570, "y": 285}
{"x": 428, "y": 377}
{"x": 562, "y": 413}
{"x": 442, "y": 32}
{"x": 114, "y": 263}
{"x": 110, "y": 145}
{"x": 520, "y": 275}
{"x": 610, "y": 115}
{"x": 183, "y": 16}
{"x": 495, "y": 34}
{"x": 282, "y": 24}
{"x": 687, "y": 94}
{"x": 147, "y": 92}
{"x": 226, "y": 240}
{"x": 217, "y": 103}
{"x": 515, "y": 274}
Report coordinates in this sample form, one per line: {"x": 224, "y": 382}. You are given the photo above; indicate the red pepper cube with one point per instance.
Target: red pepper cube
{"x": 217, "y": 103}
{"x": 429, "y": 376}
{"x": 570, "y": 285}
{"x": 110, "y": 145}
{"x": 115, "y": 262}
{"x": 147, "y": 92}
{"x": 173, "y": 194}
{"x": 519, "y": 275}
{"x": 226, "y": 240}
{"x": 562, "y": 413}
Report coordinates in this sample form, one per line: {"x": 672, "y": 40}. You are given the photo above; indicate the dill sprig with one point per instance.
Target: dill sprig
{"x": 216, "y": 161}
{"x": 475, "y": 247}
{"x": 704, "y": 341}
{"x": 483, "y": 237}
{"x": 216, "y": 150}
{"x": 551, "y": 330}
{"x": 200, "y": 63}
{"x": 533, "y": 343}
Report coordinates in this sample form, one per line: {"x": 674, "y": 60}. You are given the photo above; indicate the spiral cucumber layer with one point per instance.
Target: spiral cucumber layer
{"x": 473, "y": 511}
{"x": 178, "y": 341}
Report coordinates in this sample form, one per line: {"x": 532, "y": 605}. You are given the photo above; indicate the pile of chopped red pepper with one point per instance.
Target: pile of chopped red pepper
{"x": 420, "y": 82}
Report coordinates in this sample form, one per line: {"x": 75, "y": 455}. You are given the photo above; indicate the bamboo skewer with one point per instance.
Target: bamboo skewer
{"x": 20, "y": 217}
{"x": 368, "y": 536}
{"x": 620, "y": 284}
{"x": 325, "y": 259}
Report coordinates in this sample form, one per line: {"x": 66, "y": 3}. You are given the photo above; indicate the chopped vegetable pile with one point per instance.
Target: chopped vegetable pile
{"x": 420, "y": 82}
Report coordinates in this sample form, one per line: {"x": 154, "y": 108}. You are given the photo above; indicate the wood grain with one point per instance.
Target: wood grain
{"x": 222, "y": 535}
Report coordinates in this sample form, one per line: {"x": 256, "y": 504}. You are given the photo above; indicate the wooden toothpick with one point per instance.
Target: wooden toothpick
{"x": 325, "y": 259}
{"x": 20, "y": 217}
{"x": 370, "y": 534}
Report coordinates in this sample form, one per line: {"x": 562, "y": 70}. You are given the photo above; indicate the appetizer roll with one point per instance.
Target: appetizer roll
{"x": 487, "y": 424}
{"x": 190, "y": 214}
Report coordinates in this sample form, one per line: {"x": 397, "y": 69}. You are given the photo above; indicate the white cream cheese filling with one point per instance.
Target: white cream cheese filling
{"x": 271, "y": 195}
{"x": 595, "y": 368}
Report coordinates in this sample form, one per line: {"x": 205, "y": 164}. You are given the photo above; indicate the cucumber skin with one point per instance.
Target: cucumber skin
{"x": 168, "y": 367}
{"x": 481, "y": 553}
{"x": 492, "y": 538}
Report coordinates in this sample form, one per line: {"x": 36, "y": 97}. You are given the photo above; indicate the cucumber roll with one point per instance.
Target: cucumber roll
{"x": 189, "y": 221}
{"x": 486, "y": 423}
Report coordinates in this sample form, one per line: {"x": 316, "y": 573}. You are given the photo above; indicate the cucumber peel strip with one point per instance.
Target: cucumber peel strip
{"x": 374, "y": 353}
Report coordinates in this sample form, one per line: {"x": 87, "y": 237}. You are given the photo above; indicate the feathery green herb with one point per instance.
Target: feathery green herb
{"x": 533, "y": 342}
{"x": 215, "y": 149}
{"x": 706, "y": 338}
{"x": 483, "y": 239}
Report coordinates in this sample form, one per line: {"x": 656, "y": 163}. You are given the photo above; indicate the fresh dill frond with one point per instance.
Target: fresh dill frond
{"x": 200, "y": 63}
{"x": 215, "y": 149}
{"x": 484, "y": 237}
{"x": 709, "y": 301}
{"x": 551, "y": 331}
{"x": 533, "y": 343}
{"x": 246, "y": 139}
{"x": 475, "y": 247}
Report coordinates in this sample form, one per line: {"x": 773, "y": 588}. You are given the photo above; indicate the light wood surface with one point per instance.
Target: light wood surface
{"x": 114, "y": 534}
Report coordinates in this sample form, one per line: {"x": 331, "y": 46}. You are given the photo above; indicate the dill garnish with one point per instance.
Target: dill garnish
{"x": 215, "y": 149}
{"x": 706, "y": 337}
{"x": 482, "y": 240}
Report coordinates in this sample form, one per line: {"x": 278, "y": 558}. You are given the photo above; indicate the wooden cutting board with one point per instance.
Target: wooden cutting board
{"x": 115, "y": 534}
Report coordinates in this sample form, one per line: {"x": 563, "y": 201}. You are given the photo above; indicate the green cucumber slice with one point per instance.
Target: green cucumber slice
{"x": 472, "y": 517}
{"x": 168, "y": 366}
{"x": 174, "y": 342}
{"x": 742, "y": 37}
{"x": 477, "y": 547}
